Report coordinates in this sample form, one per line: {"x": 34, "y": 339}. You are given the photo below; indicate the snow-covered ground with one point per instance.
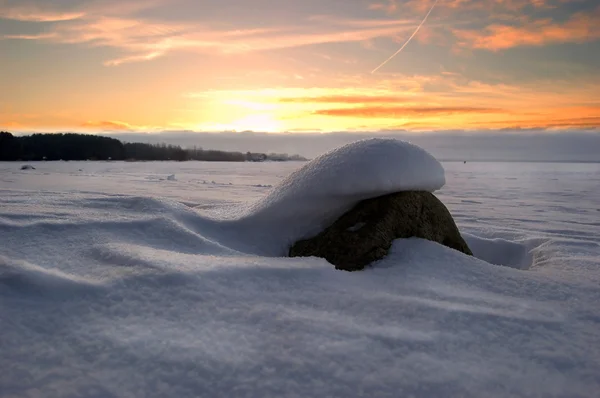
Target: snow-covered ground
{"x": 116, "y": 280}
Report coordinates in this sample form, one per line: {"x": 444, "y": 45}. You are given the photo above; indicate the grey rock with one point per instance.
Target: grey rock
{"x": 365, "y": 233}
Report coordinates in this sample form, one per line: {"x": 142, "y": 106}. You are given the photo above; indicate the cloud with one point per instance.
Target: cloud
{"x": 109, "y": 125}
{"x": 112, "y": 24}
{"x": 508, "y": 5}
{"x": 59, "y": 11}
{"x": 360, "y": 23}
{"x": 420, "y": 101}
{"x": 401, "y": 111}
{"x": 35, "y": 14}
{"x": 148, "y": 40}
{"x": 133, "y": 58}
{"x": 592, "y": 122}
{"x": 419, "y": 6}
{"x": 389, "y": 6}
{"x": 39, "y": 36}
{"x": 118, "y": 25}
{"x": 347, "y": 99}
{"x": 579, "y": 28}
{"x": 11, "y": 124}
{"x": 312, "y": 87}
{"x": 507, "y": 23}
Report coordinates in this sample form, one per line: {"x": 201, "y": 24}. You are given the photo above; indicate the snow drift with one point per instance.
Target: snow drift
{"x": 137, "y": 294}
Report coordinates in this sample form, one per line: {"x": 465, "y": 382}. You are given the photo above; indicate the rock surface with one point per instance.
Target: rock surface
{"x": 365, "y": 233}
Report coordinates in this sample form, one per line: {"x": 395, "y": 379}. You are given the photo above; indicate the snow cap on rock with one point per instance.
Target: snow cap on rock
{"x": 312, "y": 197}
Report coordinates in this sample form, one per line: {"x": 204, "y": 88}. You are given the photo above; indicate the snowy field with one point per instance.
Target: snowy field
{"x": 135, "y": 280}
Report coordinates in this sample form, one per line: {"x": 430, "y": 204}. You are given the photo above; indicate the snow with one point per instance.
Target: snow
{"x": 498, "y": 251}
{"x": 312, "y": 197}
{"x": 362, "y": 169}
{"x": 116, "y": 282}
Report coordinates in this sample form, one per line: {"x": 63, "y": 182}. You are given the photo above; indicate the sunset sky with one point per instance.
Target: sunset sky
{"x": 298, "y": 65}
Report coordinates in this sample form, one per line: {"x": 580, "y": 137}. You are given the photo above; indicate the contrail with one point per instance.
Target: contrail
{"x": 407, "y": 41}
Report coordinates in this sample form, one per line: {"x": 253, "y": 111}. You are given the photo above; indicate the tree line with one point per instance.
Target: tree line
{"x": 72, "y": 146}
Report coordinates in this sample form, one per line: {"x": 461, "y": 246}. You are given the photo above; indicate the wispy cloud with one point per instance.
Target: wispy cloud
{"x": 592, "y": 122}
{"x": 401, "y": 111}
{"x": 441, "y": 90}
{"x": 396, "y": 6}
{"x": 581, "y": 27}
{"x": 118, "y": 25}
{"x": 147, "y": 40}
{"x": 388, "y": 6}
{"x": 38, "y": 36}
{"x": 347, "y": 99}
{"x": 506, "y": 23}
{"x": 61, "y": 11}
{"x": 35, "y": 14}
{"x": 301, "y": 65}
{"x": 109, "y": 125}
{"x": 142, "y": 39}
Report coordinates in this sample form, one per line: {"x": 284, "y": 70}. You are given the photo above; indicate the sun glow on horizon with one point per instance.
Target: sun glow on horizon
{"x": 264, "y": 122}
{"x": 139, "y": 66}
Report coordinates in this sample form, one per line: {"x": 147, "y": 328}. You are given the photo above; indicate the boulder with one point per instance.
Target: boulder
{"x": 365, "y": 233}
{"x": 27, "y": 167}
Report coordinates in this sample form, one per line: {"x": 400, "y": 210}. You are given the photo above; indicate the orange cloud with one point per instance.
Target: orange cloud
{"x": 133, "y": 58}
{"x": 109, "y": 125}
{"x": 575, "y": 122}
{"x": 398, "y": 111}
{"x": 581, "y": 27}
{"x": 508, "y": 22}
{"x": 346, "y": 99}
{"x": 11, "y": 124}
{"x": 448, "y": 100}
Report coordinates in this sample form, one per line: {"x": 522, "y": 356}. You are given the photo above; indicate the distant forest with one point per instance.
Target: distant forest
{"x": 73, "y": 146}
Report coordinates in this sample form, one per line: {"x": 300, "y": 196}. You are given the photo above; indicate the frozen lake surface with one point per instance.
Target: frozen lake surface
{"x": 131, "y": 280}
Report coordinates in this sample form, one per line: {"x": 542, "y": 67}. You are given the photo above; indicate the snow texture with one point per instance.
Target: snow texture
{"x": 115, "y": 282}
